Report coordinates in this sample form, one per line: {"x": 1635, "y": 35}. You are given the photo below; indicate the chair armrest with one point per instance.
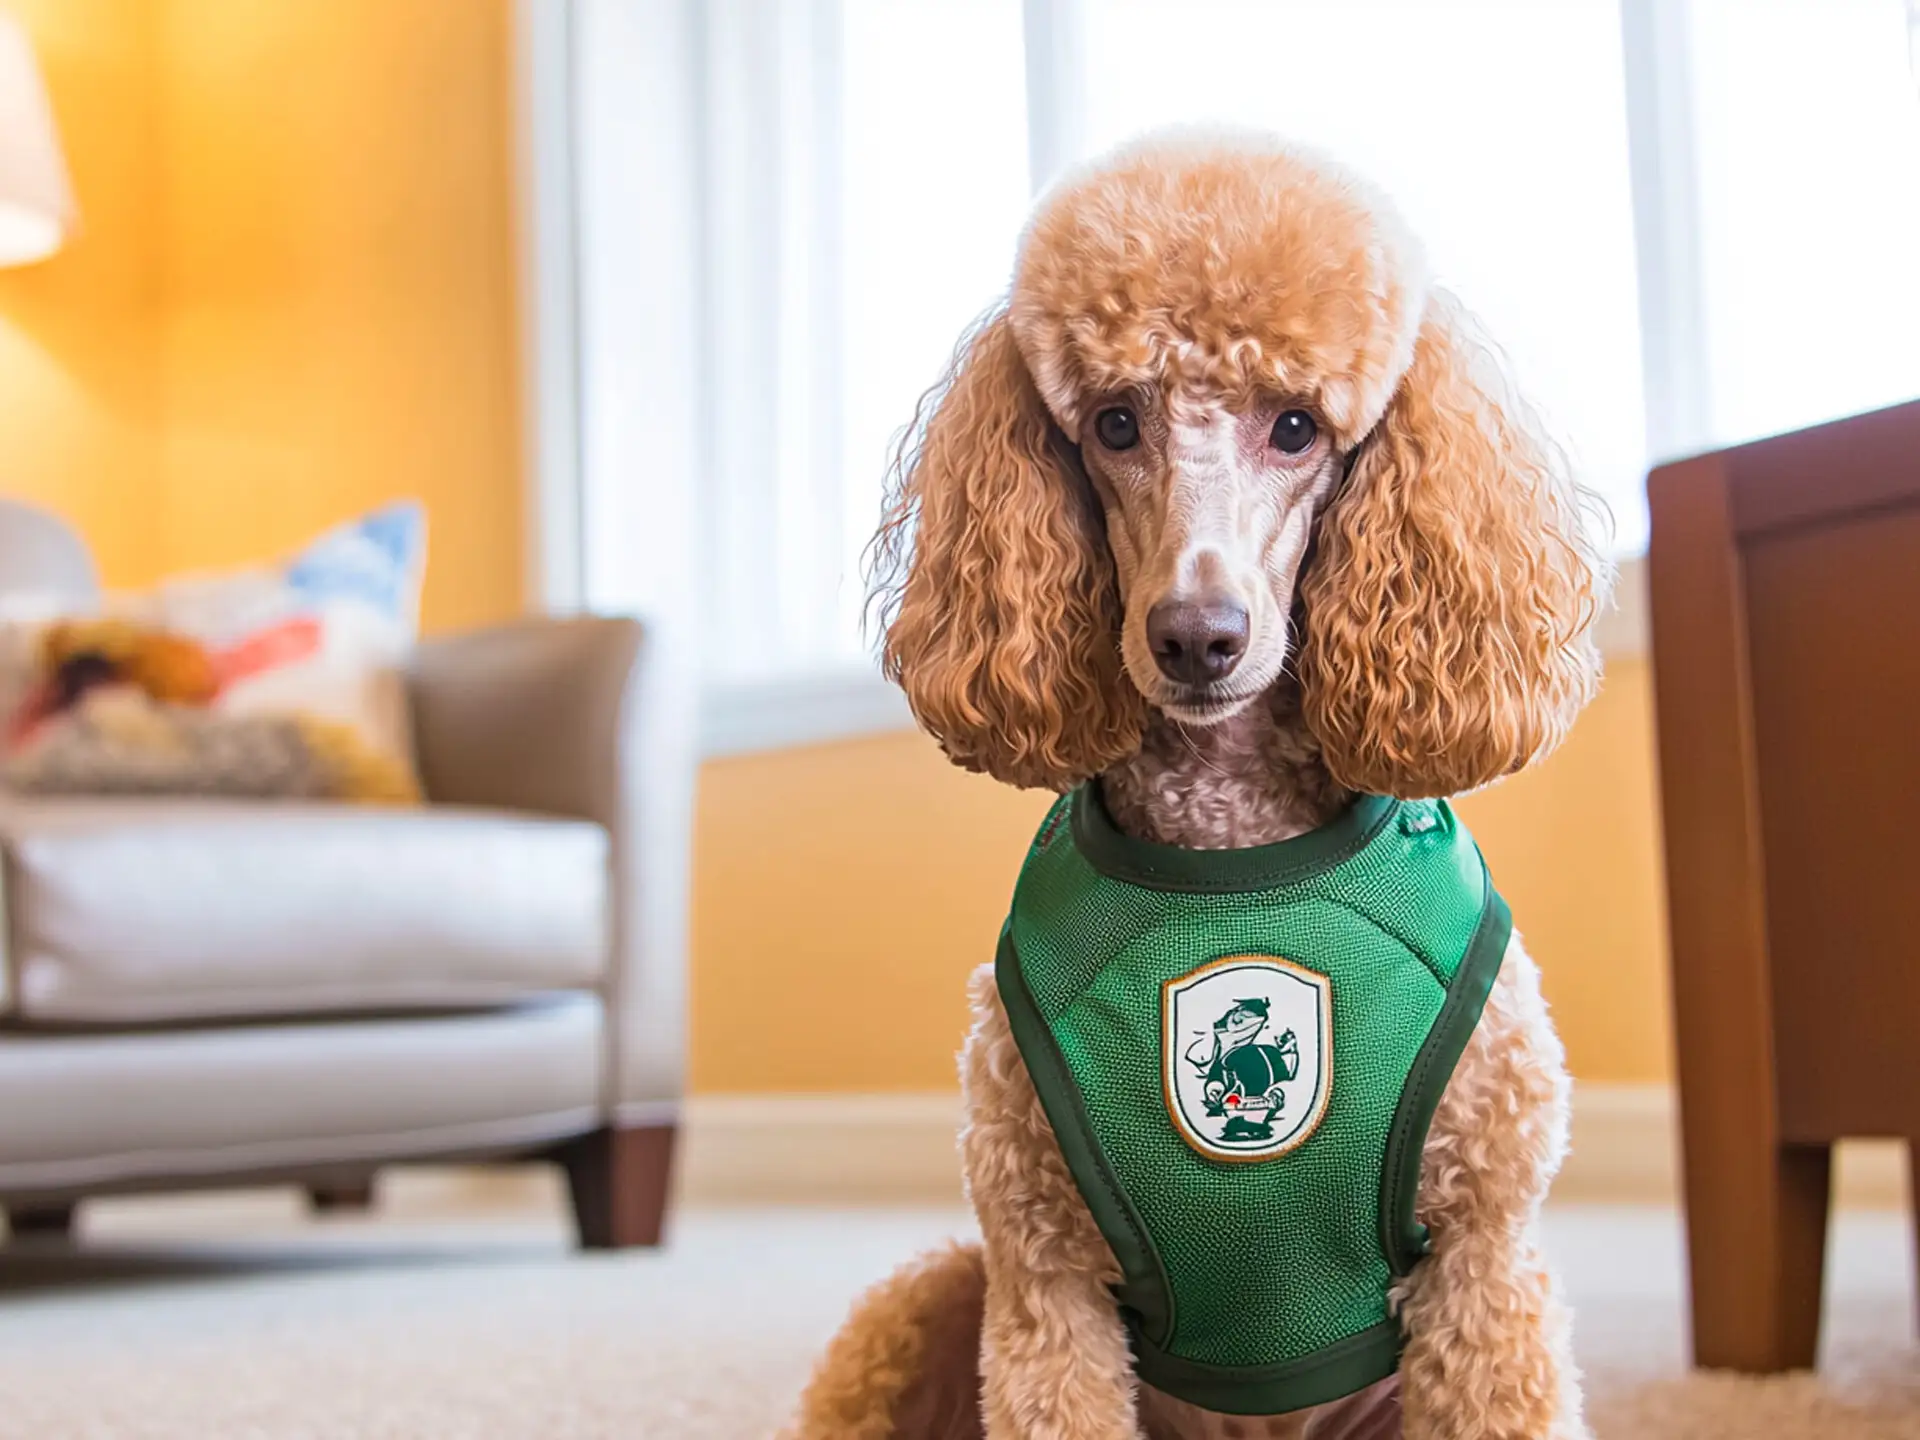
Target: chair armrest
{"x": 527, "y": 716}
{"x": 572, "y": 718}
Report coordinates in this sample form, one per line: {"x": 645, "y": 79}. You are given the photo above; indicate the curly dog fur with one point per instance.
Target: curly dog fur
{"x": 1415, "y": 584}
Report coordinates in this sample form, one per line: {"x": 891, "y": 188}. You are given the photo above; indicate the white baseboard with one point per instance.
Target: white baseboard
{"x": 1626, "y": 1150}
{"x": 1625, "y": 1147}
{"x": 899, "y": 1149}
{"x": 822, "y": 1149}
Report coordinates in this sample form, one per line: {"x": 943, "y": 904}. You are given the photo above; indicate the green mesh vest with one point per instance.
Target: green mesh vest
{"x": 1240, "y": 1052}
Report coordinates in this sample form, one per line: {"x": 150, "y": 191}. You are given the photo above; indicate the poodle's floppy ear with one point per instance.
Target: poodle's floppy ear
{"x": 1449, "y": 603}
{"x": 995, "y": 584}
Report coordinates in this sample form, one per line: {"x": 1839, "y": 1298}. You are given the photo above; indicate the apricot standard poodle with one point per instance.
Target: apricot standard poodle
{"x": 1228, "y": 528}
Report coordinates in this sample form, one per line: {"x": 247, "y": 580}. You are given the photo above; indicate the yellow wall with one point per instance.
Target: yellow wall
{"x": 293, "y": 298}
{"x": 339, "y": 316}
{"x": 1575, "y": 848}
{"x": 844, "y": 892}
{"x": 79, "y": 385}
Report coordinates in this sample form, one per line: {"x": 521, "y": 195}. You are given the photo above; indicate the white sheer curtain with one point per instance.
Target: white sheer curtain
{"x": 1690, "y": 220}
{"x": 936, "y": 189}
{"x": 859, "y": 172}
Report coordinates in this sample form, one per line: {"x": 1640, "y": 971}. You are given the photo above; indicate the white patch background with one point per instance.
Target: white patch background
{"x": 1298, "y": 1001}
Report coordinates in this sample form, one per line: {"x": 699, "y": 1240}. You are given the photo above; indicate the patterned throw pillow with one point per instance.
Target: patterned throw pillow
{"x": 325, "y": 634}
{"x": 298, "y": 678}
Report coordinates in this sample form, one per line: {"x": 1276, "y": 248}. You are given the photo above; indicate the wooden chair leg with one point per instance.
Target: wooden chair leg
{"x": 619, "y": 1178}
{"x": 1758, "y": 1256}
{"x": 41, "y": 1220}
{"x": 339, "y": 1199}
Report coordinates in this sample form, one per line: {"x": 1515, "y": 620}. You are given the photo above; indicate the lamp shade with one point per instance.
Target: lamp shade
{"x": 36, "y": 201}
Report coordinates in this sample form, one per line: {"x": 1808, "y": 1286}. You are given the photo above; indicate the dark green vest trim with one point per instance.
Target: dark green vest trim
{"x": 1220, "y": 872}
{"x": 1145, "y": 1295}
{"x": 1330, "y": 1374}
{"x": 1402, "y": 1237}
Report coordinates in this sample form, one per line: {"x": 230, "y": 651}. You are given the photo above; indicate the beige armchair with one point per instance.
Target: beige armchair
{"x": 198, "y": 993}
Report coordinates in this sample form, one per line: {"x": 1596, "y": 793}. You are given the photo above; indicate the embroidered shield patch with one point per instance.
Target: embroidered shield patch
{"x": 1247, "y": 1055}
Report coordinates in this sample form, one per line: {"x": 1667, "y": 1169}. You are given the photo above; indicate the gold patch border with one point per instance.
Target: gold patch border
{"x": 1171, "y": 1100}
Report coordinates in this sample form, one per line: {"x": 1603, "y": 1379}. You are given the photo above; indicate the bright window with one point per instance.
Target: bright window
{"x": 1807, "y": 127}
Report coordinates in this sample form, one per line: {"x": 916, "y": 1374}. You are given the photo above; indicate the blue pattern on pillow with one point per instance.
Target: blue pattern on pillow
{"x": 375, "y": 559}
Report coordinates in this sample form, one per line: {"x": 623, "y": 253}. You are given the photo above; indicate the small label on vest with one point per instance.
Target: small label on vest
{"x": 1247, "y": 1049}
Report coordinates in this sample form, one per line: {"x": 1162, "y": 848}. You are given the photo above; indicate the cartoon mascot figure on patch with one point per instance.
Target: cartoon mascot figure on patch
{"x": 1243, "y": 1075}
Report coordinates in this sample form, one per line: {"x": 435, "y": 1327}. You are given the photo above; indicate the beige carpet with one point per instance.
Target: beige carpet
{"x": 235, "y": 1316}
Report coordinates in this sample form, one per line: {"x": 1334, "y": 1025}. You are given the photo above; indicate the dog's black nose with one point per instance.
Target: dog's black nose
{"x": 1196, "y": 644}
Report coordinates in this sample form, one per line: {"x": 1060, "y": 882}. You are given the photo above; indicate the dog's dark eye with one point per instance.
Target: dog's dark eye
{"x": 1293, "y": 432}
{"x": 1118, "y": 428}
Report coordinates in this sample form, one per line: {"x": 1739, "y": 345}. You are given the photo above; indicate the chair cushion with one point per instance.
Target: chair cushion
{"x": 126, "y": 911}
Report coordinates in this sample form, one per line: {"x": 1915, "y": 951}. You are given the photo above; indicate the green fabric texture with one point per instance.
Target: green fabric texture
{"x": 1240, "y": 1052}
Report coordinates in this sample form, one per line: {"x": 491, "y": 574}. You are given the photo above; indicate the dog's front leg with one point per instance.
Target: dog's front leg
{"x": 1489, "y": 1347}
{"x": 1055, "y": 1364}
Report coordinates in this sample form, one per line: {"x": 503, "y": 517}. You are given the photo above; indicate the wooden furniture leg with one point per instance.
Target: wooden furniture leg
{"x": 338, "y": 1199}
{"x": 46, "y": 1220}
{"x": 1757, "y": 1251}
{"x": 1756, "y": 1208}
{"x": 619, "y": 1179}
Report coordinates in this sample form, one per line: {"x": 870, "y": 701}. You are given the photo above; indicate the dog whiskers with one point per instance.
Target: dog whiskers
{"x": 1186, "y": 739}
